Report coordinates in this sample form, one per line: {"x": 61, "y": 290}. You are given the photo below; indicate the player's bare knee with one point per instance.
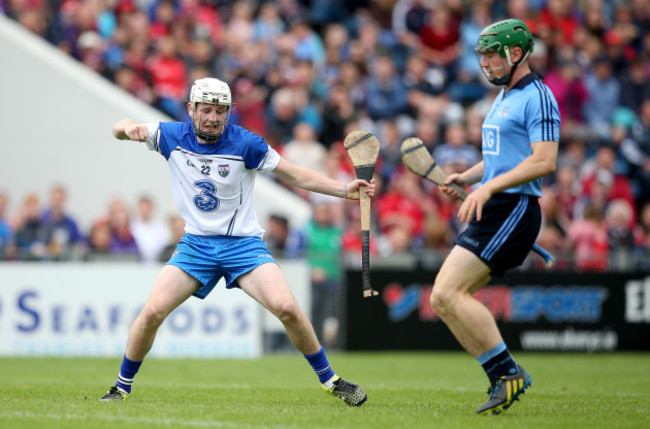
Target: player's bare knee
{"x": 441, "y": 300}
{"x": 153, "y": 316}
{"x": 286, "y": 310}
{"x": 434, "y": 300}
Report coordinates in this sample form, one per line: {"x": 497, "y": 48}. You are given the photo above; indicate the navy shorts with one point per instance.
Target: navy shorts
{"x": 507, "y": 231}
{"x": 208, "y": 258}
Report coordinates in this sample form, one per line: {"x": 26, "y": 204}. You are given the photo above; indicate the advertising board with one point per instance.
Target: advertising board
{"x": 536, "y": 311}
{"x": 87, "y": 309}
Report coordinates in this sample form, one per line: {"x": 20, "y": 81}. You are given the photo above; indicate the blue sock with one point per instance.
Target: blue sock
{"x": 319, "y": 362}
{"x": 127, "y": 372}
{"x": 498, "y": 362}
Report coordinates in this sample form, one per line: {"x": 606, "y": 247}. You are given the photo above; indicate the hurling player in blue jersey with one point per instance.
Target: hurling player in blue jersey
{"x": 520, "y": 145}
{"x": 213, "y": 165}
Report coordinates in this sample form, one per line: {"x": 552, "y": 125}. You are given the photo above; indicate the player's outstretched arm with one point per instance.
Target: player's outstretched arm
{"x": 311, "y": 180}
{"x": 127, "y": 129}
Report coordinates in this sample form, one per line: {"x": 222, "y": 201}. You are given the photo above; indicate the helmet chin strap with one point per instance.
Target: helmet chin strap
{"x": 208, "y": 137}
{"x": 506, "y": 78}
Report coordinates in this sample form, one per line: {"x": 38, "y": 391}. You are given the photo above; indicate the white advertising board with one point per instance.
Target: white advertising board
{"x": 87, "y": 309}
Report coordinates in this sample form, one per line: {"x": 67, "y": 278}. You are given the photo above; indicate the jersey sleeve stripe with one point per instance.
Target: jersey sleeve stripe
{"x": 554, "y": 118}
{"x": 543, "y": 103}
{"x": 549, "y": 116}
{"x": 156, "y": 141}
{"x": 549, "y": 112}
{"x": 261, "y": 165}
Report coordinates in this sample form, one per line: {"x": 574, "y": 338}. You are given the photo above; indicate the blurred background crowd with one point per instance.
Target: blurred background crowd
{"x": 305, "y": 73}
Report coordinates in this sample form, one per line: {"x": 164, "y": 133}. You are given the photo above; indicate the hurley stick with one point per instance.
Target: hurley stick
{"x": 418, "y": 159}
{"x": 363, "y": 149}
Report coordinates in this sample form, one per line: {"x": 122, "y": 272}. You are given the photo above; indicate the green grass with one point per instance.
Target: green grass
{"x": 406, "y": 390}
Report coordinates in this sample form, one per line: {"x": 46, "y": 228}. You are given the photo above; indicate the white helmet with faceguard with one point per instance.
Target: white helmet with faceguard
{"x": 209, "y": 90}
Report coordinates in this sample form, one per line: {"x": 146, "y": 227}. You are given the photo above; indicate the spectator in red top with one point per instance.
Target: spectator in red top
{"x": 251, "y": 106}
{"x": 618, "y": 186}
{"x": 588, "y": 238}
{"x": 440, "y": 38}
{"x": 164, "y": 15}
{"x": 557, "y": 23}
{"x": 168, "y": 76}
{"x": 205, "y": 20}
{"x": 402, "y": 204}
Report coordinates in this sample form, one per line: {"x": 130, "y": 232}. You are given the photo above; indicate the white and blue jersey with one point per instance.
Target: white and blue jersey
{"x": 527, "y": 114}
{"x": 213, "y": 183}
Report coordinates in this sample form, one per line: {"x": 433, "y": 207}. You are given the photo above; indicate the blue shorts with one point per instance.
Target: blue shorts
{"x": 507, "y": 231}
{"x": 208, "y": 258}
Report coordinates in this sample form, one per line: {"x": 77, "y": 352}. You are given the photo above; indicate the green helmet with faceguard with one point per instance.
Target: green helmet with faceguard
{"x": 500, "y": 37}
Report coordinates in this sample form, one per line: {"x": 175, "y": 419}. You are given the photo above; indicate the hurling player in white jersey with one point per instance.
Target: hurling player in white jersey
{"x": 520, "y": 145}
{"x": 213, "y": 165}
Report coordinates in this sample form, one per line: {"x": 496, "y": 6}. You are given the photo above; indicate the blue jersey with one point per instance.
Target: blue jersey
{"x": 528, "y": 113}
{"x": 212, "y": 183}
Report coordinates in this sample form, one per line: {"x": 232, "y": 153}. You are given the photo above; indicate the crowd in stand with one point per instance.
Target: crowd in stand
{"x": 305, "y": 73}
{"x": 48, "y": 232}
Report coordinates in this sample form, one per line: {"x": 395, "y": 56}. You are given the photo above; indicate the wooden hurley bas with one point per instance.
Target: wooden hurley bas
{"x": 417, "y": 158}
{"x": 363, "y": 149}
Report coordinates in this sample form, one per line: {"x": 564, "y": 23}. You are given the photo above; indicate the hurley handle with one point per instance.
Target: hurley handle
{"x": 363, "y": 149}
{"x": 365, "y": 173}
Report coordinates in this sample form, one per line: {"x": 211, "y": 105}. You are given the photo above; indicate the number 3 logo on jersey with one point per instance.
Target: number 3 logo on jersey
{"x": 206, "y": 201}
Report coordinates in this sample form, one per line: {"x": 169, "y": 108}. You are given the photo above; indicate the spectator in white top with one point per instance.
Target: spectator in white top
{"x": 150, "y": 235}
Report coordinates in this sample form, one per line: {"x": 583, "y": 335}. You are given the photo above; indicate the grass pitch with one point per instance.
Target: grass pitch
{"x": 406, "y": 390}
